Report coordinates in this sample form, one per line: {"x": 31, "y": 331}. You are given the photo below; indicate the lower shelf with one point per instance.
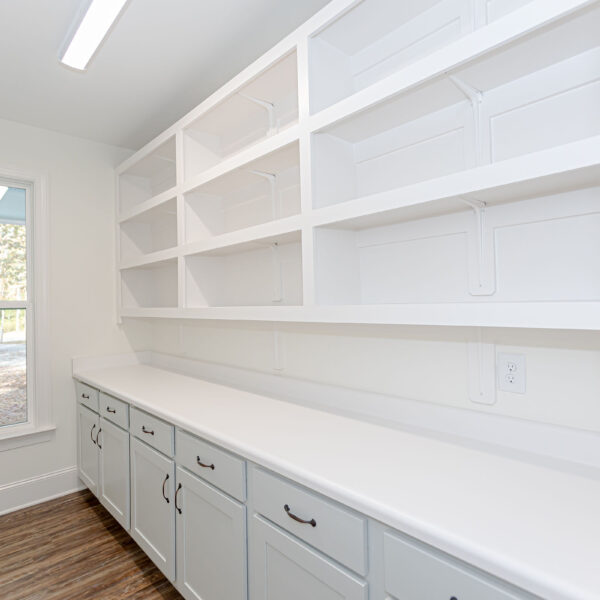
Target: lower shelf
{"x": 531, "y": 315}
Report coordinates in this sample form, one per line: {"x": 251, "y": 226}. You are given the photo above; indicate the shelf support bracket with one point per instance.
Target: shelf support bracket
{"x": 272, "y": 179}
{"x": 475, "y": 97}
{"x": 268, "y": 106}
{"x": 482, "y": 270}
{"x": 277, "y": 283}
{"x": 478, "y": 14}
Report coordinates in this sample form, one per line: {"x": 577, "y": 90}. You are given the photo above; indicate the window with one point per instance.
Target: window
{"x": 13, "y": 305}
{"x": 24, "y": 406}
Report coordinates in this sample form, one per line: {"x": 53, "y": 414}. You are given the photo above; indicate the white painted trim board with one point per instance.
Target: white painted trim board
{"x": 27, "y": 492}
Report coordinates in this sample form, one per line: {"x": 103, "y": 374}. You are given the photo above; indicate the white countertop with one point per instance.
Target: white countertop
{"x": 536, "y": 527}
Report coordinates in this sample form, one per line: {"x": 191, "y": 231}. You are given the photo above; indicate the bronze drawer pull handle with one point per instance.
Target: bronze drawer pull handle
{"x": 163, "y": 488}
{"x": 111, "y": 410}
{"x": 97, "y": 436}
{"x": 291, "y": 515}
{"x": 92, "y": 433}
{"x": 85, "y": 396}
{"x": 176, "y": 493}
{"x": 150, "y": 431}
{"x": 204, "y": 465}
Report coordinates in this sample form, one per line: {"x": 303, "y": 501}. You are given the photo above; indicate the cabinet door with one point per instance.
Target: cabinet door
{"x": 211, "y": 541}
{"x": 152, "y": 509}
{"x": 113, "y": 445}
{"x": 282, "y": 568}
{"x": 87, "y": 426}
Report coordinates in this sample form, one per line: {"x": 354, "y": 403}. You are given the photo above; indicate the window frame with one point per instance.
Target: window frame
{"x": 39, "y": 426}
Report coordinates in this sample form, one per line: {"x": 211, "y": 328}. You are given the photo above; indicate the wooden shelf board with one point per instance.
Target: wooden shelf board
{"x": 569, "y": 167}
{"x": 148, "y": 205}
{"x": 451, "y": 57}
{"x": 282, "y": 230}
{"x": 536, "y": 315}
{"x": 154, "y": 259}
{"x": 248, "y": 155}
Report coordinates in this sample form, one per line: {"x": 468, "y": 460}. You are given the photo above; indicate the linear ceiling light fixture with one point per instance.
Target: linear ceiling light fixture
{"x": 98, "y": 19}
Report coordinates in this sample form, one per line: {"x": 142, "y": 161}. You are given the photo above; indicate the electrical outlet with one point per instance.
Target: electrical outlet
{"x": 511, "y": 372}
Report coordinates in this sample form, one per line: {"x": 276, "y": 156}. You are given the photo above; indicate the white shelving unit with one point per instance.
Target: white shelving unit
{"x": 424, "y": 162}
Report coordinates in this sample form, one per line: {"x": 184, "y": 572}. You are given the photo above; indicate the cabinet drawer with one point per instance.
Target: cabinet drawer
{"x": 338, "y": 531}
{"x": 114, "y": 410}
{"x": 153, "y": 431}
{"x": 411, "y": 571}
{"x": 87, "y": 395}
{"x": 223, "y": 470}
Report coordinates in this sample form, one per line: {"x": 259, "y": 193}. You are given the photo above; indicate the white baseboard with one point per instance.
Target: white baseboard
{"x": 28, "y": 492}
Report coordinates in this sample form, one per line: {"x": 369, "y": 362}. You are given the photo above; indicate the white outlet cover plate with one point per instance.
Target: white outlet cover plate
{"x": 511, "y": 372}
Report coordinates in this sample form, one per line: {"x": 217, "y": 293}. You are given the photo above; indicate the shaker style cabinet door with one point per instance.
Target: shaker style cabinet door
{"x": 87, "y": 430}
{"x": 152, "y": 508}
{"x": 113, "y": 445}
{"x": 211, "y": 541}
{"x": 282, "y": 568}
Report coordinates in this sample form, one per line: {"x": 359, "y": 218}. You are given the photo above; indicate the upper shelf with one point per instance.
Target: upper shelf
{"x": 151, "y": 231}
{"x": 540, "y": 315}
{"x": 266, "y": 189}
{"x": 510, "y": 29}
{"x": 378, "y": 37}
{"x": 492, "y": 109}
{"x": 264, "y": 106}
{"x": 152, "y": 175}
{"x": 565, "y": 168}
{"x": 413, "y": 163}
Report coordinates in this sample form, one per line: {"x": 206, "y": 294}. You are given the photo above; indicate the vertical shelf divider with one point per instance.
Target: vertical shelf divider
{"x": 308, "y": 257}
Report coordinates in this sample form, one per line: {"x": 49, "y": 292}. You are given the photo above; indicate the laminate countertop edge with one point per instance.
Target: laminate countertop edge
{"x": 533, "y": 526}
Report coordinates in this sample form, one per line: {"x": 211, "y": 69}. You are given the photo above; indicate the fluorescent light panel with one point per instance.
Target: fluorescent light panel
{"x": 98, "y": 19}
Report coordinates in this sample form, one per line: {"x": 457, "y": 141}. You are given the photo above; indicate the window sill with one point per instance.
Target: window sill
{"x": 16, "y": 436}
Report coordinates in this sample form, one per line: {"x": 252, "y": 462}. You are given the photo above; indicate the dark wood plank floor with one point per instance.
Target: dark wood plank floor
{"x": 72, "y": 549}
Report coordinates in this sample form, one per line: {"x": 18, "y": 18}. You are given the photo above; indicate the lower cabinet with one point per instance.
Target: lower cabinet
{"x": 282, "y": 568}
{"x": 152, "y": 505}
{"x": 211, "y": 541}
{"x": 420, "y": 573}
{"x": 88, "y": 424}
{"x": 113, "y": 446}
{"x": 191, "y": 519}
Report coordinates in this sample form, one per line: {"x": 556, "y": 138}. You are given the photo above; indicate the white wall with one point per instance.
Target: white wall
{"x": 425, "y": 364}
{"x": 80, "y": 180}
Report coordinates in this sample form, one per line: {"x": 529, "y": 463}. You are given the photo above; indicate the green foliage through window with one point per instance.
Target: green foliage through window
{"x": 13, "y": 262}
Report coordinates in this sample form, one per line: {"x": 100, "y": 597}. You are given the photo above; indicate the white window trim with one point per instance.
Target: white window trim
{"x": 39, "y": 426}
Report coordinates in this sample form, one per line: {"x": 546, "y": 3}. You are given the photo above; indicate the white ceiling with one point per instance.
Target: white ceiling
{"x": 161, "y": 59}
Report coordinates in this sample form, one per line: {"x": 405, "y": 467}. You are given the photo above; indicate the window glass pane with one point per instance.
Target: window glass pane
{"x": 13, "y": 367}
{"x": 13, "y": 246}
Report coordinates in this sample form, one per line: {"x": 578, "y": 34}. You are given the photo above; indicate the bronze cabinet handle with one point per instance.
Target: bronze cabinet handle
{"x": 150, "y": 431}
{"x": 291, "y": 515}
{"x": 85, "y": 396}
{"x": 92, "y": 433}
{"x": 97, "y": 440}
{"x": 163, "y": 488}
{"x": 176, "y": 494}
{"x": 110, "y": 410}
{"x": 204, "y": 464}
